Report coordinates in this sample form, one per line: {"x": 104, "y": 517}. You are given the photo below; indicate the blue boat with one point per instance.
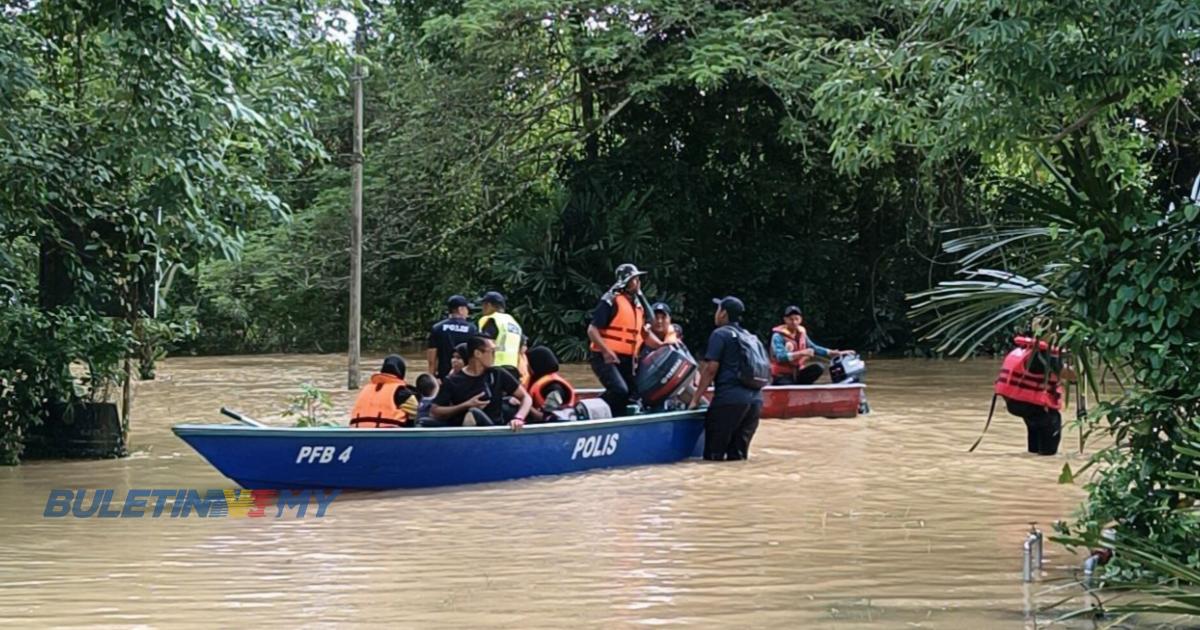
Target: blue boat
{"x": 259, "y": 456}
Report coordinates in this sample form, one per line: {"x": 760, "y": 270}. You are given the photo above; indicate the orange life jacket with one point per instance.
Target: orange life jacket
{"x": 623, "y": 335}
{"x": 794, "y": 344}
{"x": 538, "y": 390}
{"x": 1016, "y": 382}
{"x": 376, "y": 407}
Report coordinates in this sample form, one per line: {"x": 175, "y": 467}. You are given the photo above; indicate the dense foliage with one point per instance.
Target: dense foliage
{"x": 531, "y": 148}
{"x": 134, "y": 136}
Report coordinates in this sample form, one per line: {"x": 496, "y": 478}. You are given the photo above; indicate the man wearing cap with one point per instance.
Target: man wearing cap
{"x": 667, "y": 331}
{"x": 617, "y": 332}
{"x": 446, "y": 334}
{"x": 505, "y": 330}
{"x": 791, "y": 348}
{"x": 732, "y": 416}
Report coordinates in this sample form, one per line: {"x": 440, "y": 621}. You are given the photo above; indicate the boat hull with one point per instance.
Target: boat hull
{"x": 799, "y": 401}
{"x": 341, "y": 457}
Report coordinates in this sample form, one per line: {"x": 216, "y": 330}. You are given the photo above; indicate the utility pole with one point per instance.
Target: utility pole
{"x": 356, "y": 174}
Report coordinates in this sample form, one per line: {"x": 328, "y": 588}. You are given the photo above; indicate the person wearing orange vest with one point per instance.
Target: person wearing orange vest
{"x": 791, "y": 347}
{"x": 617, "y": 332}
{"x": 549, "y": 389}
{"x": 386, "y": 401}
{"x": 1030, "y": 381}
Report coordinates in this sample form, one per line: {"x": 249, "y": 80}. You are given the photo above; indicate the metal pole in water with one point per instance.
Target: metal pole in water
{"x": 356, "y": 220}
{"x": 1033, "y": 541}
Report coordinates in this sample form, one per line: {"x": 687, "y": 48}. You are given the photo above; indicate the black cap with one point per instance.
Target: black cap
{"x": 731, "y": 305}
{"x": 792, "y": 310}
{"x": 660, "y": 306}
{"x": 493, "y": 297}
{"x": 457, "y": 301}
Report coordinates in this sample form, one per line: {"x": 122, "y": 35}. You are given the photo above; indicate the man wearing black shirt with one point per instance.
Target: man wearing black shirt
{"x": 617, "y": 332}
{"x": 732, "y": 416}
{"x": 446, "y": 334}
{"x": 479, "y": 391}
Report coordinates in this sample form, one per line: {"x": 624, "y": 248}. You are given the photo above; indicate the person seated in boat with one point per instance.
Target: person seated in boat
{"x": 386, "y": 401}
{"x": 458, "y": 358}
{"x": 668, "y": 332}
{"x": 549, "y": 390}
{"x": 791, "y": 348}
{"x": 427, "y": 388}
{"x": 477, "y": 395}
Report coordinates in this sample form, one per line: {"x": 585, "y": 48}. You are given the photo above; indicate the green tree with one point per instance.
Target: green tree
{"x": 134, "y": 135}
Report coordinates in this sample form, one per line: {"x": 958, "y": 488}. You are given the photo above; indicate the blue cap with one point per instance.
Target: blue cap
{"x": 493, "y": 297}
{"x": 457, "y": 301}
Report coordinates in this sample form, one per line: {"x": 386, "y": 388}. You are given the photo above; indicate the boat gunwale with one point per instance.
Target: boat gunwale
{"x": 774, "y": 388}
{"x": 208, "y": 430}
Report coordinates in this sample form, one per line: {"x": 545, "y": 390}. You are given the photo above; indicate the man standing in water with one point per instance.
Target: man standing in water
{"x": 1030, "y": 381}
{"x": 447, "y": 334}
{"x": 617, "y": 332}
{"x": 732, "y": 416}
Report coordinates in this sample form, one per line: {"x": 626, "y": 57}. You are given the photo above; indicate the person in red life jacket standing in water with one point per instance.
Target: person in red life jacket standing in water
{"x": 1030, "y": 381}
{"x": 386, "y": 401}
{"x": 617, "y": 332}
{"x": 791, "y": 348}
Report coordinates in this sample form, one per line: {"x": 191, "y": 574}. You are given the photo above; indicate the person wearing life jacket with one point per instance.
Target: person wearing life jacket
{"x": 791, "y": 348}
{"x": 386, "y": 401}
{"x": 549, "y": 389}
{"x": 505, "y": 330}
{"x": 617, "y": 332}
{"x": 1030, "y": 381}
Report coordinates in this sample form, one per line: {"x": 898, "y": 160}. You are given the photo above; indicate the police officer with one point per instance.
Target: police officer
{"x": 447, "y": 334}
{"x": 505, "y": 330}
{"x": 617, "y": 332}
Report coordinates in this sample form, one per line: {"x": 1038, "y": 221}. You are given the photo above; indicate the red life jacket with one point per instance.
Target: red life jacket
{"x": 538, "y": 390}
{"x": 1016, "y": 382}
{"x": 376, "y": 407}
{"x": 794, "y": 343}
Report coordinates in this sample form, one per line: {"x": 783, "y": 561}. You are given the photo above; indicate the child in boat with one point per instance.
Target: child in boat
{"x": 459, "y": 358}
{"x": 427, "y": 388}
{"x": 550, "y": 391}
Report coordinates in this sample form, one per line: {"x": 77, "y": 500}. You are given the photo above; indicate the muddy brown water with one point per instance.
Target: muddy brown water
{"x": 882, "y": 521}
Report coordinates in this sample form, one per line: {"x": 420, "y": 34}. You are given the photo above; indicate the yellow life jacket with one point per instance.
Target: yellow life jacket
{"x": 508, "y": 338}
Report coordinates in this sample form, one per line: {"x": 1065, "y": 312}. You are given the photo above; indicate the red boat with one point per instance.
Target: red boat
{"x": 800, "y": 401}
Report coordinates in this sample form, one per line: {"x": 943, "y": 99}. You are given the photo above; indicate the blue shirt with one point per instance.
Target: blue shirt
{"x": 723, "y": 348}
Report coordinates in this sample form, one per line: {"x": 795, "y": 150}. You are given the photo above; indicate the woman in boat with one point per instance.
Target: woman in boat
{"x": 386, "y": 401}
{"x": 550, "y": 391}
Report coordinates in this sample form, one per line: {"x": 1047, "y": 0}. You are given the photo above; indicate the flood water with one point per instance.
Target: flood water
{"x": 882, "y": 521}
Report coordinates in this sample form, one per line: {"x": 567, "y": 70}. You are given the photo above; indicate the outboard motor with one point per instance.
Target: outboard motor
{"x": 850, "y": 368}
{"x": 663, "y": 374}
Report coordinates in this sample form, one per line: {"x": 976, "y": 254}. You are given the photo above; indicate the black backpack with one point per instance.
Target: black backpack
{"x": 754, "y": 368}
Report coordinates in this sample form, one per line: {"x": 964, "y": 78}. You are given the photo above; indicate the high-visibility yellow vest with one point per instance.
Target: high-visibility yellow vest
{"x": 508, "y": 338}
